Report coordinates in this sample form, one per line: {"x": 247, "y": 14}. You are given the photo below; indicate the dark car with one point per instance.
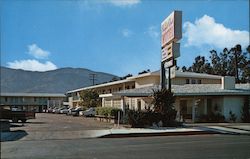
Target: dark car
{"x": 15, "y": 116}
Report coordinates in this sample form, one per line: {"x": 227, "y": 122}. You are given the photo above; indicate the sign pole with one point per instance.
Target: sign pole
{"x": 163, "y": 76}
{"x": 169, "y": 79}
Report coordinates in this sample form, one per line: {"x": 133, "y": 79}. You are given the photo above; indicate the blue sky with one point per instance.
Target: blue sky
{"x": 117, "y": 37}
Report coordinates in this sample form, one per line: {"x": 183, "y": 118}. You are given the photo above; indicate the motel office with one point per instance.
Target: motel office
{"x": 196, "y": 94}
{"x": 32, "y": 101}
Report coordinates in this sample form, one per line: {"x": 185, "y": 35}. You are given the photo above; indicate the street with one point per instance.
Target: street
{"x": 204, "y": 146}
{"x": 59, "y": 136}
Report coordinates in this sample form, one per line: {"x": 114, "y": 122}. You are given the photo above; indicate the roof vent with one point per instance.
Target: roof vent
{"x": 228, "y": 82}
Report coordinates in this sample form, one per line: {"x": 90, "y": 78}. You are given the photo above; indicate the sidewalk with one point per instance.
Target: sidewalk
{"x": 224, "y": 128}
{"x": 105, "y": 133}
{"x": 143, "y": 132}
{"x": 190, "y": 129}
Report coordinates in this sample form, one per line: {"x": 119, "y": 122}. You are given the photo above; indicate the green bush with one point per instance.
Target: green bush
{"x": 141, "y": 119}
{"x": 213, "y": 118}
{"x": 163, "y": 101}
{"x": 245, "y": 113}
{"x": 232, "y": 117}
{"x": 107, "y": 111}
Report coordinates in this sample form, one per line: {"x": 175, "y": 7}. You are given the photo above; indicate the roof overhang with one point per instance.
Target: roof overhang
{"x": 56, "y": 95}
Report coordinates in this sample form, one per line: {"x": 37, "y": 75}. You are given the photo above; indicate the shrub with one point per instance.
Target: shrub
{"x": 108, "y": 111}
{"x": 245, "y": 111}
{"x": 211, "y": 118}
{"x": 164, "y": 105}
{"x": 141, "y": 119}
{"x": 232, "y": 116}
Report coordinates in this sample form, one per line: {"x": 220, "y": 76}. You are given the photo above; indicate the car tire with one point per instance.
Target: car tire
{"x": 14, "y": 120}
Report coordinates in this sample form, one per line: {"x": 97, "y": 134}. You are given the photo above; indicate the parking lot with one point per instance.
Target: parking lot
{"x": 57, "y": 126}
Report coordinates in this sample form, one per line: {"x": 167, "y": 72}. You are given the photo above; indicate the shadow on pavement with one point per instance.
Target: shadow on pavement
{"x": 13, "y": 135}
{"x": 35, "y": 122}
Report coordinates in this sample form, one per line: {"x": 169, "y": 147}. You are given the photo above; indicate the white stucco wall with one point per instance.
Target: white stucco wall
{"x": 233, "y": 104}
{"x": 70, "y": 101}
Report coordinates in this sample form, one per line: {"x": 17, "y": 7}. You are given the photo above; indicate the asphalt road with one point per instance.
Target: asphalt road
{"x": 203, "y": 146}
{"x": 55, "y": 136}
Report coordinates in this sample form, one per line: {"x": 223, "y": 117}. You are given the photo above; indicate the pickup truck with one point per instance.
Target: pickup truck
{"x": 15, "y": 116}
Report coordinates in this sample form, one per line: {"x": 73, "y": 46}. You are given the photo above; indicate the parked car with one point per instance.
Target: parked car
{"x": 49, "y": 110}
{"x": 57, "y": 111}
{"x": 76, "y": 111}
{"x": 70, "y": 111}
{"x": 16, "y": 115}
{"x": 54, "y": 110}
{"x": 89, "y": 112}
{"x": 65, "y": 110}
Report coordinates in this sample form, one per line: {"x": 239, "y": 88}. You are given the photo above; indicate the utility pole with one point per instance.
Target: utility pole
{"x": 236, "y": 51}
{"x": 92, "y": 77}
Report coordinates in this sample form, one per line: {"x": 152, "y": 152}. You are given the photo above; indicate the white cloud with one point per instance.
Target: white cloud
{"x": 153, "y": 32}
{"x": 126, "y": 33}
{"x": 124, "y": 3}
{"x": 32, "y": 65}
{"x": 37, "y": 52}
{"x": 205, "y": 31}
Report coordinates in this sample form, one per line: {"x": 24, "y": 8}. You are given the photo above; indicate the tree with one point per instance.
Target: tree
{"x": 90, "y": 98}
{"x": 184, "y": 68}
{"x": 215, "y": 61}
{"x": 124, "y": 77}
{"x": 144, "y": 71}
{"x": 201, "y": 65}
{"x": 229, "y": 62}
{"x": 163, "y": 101}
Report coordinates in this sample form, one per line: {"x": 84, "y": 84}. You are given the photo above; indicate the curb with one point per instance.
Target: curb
{"x": 158, "y": 134}
{"x": 221, "y": 131}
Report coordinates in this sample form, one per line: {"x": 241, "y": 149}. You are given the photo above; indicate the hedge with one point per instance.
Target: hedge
{"x": 107, "y": 111}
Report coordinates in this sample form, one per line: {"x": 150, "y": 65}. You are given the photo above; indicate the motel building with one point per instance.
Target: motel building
{"x": 31, "y": 101}
{"x": 196, "y": 94}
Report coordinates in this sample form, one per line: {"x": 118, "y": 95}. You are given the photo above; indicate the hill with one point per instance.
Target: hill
{"x": 56, "y": 81}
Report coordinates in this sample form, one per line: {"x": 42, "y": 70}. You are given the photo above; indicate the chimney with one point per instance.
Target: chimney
{"x": 228, "y": 82}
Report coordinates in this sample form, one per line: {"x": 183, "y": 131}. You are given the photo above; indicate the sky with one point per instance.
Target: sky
{"x": 114, "y": 36}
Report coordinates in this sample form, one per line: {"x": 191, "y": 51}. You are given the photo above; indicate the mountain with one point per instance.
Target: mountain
{"x": 56, "y": 81}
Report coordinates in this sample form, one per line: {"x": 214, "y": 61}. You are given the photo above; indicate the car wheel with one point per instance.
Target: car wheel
{"x": 24, "y": 120}
{"x": 14, "y": 120}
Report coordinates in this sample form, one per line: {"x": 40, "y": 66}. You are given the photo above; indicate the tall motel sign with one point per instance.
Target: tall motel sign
{"x": 171, "y": 33}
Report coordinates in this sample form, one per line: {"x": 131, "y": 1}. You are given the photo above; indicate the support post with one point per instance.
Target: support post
{"x": 193, "y": 110}
{"x": 163, "y": 76}
{"x": 169, "y": 79}
{"x": 205, "y": 106}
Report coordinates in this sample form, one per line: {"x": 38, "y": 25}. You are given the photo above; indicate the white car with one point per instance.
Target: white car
{"x": 57, "y": 111}
{"x": 70, "y": 110}
{"x": 89, "y": 112}
{"x": 64, "y": 111}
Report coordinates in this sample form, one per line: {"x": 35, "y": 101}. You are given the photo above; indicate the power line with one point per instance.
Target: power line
{"x": 92, "y": 77}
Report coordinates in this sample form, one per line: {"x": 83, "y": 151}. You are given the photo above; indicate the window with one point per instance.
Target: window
{"x": 120, "y": 88}
{"x": 110, "y": 91}
{"x": 127, "y": 87}
{"x": 6, "y": 99}
{"x": 193, "y": 81}
{"x": 199, "y": 81}
{"x": 133, "y": 86}
{"x": 187, "y": 81}
{"x": 34, "y": 99}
